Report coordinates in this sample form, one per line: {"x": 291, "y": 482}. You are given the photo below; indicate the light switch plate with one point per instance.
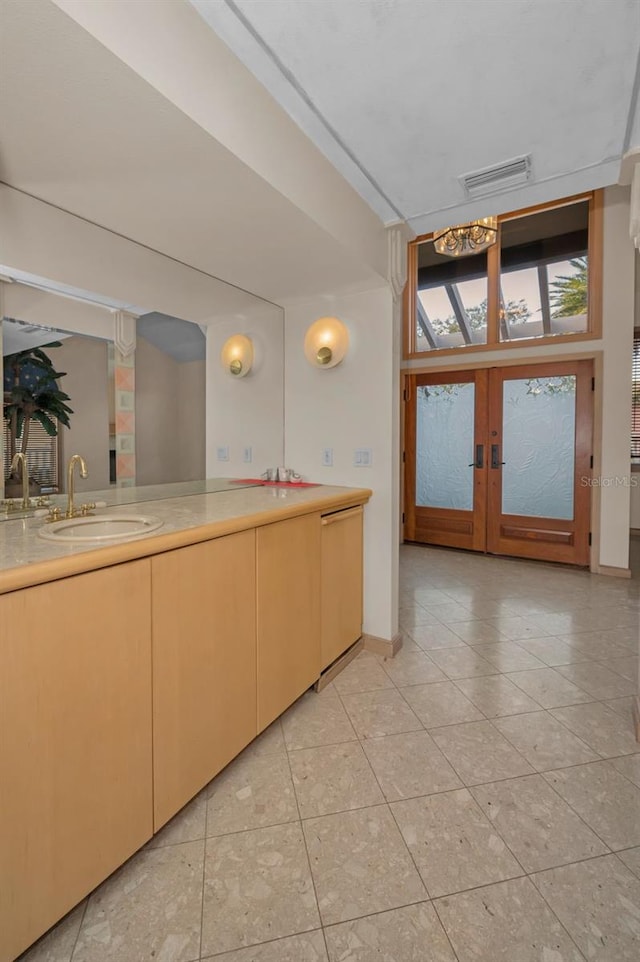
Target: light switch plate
{"x": 327, "y": 457}
{"x": 222, "y": 454}
{"x": 247, "y": 455}
{"x": 362, "y": 457}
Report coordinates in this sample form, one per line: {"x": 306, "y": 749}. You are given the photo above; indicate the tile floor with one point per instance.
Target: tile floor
{"x": 475, "y": 799}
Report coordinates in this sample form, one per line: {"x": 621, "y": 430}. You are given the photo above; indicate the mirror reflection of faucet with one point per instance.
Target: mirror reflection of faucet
{"x": 281, "y": 476}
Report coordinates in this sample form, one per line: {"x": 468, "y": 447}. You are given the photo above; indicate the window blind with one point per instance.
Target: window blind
{"x": 42, "y": 457}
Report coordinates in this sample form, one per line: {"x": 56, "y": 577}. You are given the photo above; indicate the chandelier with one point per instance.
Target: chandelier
{"x": 466, "y": 238}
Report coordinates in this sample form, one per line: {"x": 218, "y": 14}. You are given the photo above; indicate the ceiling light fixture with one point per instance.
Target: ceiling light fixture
{"x": 466, "y": 239}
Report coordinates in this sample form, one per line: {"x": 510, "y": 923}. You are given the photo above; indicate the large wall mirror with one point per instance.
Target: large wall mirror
{"x": 167, "y": 412}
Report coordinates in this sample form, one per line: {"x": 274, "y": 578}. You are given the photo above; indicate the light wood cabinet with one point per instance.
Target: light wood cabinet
{"x": 204, "y": 665}
{"x": 75, "y": 742}
{"x": 341, "y": 580}
{"x": 288, "y": 613}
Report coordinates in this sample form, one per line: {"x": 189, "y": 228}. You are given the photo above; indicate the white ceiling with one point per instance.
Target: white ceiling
{"x": 404, "y": 96}
{"x": 82, "y": 131}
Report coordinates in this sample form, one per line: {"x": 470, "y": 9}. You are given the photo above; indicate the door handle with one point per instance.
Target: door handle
{"x": 495, "y": 456}
{"x": 479, "y": 461}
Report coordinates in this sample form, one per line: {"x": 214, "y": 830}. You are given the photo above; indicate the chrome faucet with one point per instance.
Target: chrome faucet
{"x": 21, "y": 459}
{"x": 73, "y": 460}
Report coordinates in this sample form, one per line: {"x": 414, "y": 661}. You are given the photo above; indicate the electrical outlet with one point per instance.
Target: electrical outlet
{"x": 362, "y": 457}
{"x": 247, "y": 455}
{"x": 222, "y": 454}
{"x": 327, "y": 457}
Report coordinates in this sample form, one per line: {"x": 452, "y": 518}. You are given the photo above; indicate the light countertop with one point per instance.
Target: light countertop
{"x": 26, "y": 559}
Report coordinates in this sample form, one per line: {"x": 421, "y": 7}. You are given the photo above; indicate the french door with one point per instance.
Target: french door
{"x": 498, "y": 460}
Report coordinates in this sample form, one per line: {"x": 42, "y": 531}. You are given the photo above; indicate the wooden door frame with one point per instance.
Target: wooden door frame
{"x": 596, "y": 356}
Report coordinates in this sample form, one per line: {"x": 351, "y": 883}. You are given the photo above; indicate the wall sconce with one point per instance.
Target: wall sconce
{"x": 326, "y": 342}
{"x": 237, "y": 355}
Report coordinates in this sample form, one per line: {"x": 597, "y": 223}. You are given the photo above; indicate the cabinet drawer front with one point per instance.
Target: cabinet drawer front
{"x": 288, "y": 613}
{"x": 341, "y": 617}
{"x": 75, "y": 703}
{"x": 204, "y": 665}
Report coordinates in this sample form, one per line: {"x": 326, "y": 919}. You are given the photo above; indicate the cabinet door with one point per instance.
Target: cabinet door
{"x": 75, "y": 742}
{"x": 341, "y": 617}
{"x": 288, "y": 613}
{"x": 204, "y": 665}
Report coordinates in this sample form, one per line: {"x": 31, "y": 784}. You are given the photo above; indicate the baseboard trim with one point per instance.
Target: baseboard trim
{"x": 338, "y": 665}
{"x": 636, "y": 716}
{"x": 385, "y": 647}
{"x": 611, "y": 572}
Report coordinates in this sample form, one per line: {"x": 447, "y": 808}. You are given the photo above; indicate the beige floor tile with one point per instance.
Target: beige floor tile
{"x": 604, "y": 799}
{"x": 495, "y": 695}
{"x": 598, "y": 902}
{"x": 308, "y": 947}
{"x": 623, "y": 706}
{"x": 627, "y": 666}
{"x": 506, "y": 922}
{"x": 462, "y": 662}
{"x": 413, "y": 616}
{"x": 440, "y": 704}
{"x": 553, "y": 651}
{"x": 412, "y": 668}
{"x": 360, "y": 864}
{"x": 544, "y": 741}
{"x": 251, "y": 792}
{"x": 432, "y": 637}
{"x": 515, "y": 628}
{"x": 187, "y": 826}
{"x": 539, "y": 828}
{"x": 257, "y": 887}
{"x": 431, "y": 596}
{"x": 508, "y": 656}
{"x": 375, "y": 713}
{"x": 57, "y": 945}
{"x": 548, "y": 687}
{"x": 631, "y": 858}
{"x": 316, "y": 719}
{"x": 452, "y": 843}
{"x": 595, "y": 645}
{"x": 453, "y": 611}
{"x": 606, "y": 731}
{"x": 479, "y": 753}
{"x": 151, "y": 907}
{"x": 410, "y": 764}
{"x": 478, "y": 633}
{"x": 598, "y": 680}
{"x": 410, "y": 934}
{"x": 268, "y": 742}
{"x": 333, "y": 778}
{"x": 364, "y": 673}
{"x": 629, "y": 766}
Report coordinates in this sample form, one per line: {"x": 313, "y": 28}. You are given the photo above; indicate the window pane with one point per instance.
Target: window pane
{"x": 544, "y": 273}
{"x": 451, "y": 300}
{"x": 444, "y": 446}
{"x": 538, "y": 446}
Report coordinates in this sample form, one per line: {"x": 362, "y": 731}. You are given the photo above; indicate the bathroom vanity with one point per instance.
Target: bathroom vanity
{"x": 131, "y": 674}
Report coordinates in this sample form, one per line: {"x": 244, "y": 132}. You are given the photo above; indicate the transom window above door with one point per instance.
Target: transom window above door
{"x": 532, "y": 275}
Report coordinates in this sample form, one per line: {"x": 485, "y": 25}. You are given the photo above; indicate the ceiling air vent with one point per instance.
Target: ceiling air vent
{"x": 491, "y": 180}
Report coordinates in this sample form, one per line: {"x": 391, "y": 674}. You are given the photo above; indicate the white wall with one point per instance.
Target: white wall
{"x": 87, "y": 384}
{"x": 170, "y": 417}
{"x": 248, "y": 411}
{"x": 346, "y": 407}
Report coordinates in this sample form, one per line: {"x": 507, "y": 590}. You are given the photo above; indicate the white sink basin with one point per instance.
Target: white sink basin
{"x": 101, "y": 529}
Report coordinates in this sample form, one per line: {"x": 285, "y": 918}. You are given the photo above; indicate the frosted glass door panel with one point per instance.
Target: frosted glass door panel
{"x": 538, "y": 446}
{"x": 444, "y": 446}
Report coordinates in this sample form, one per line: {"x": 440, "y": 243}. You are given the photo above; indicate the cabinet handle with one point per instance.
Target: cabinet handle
{"x": 342, "y": 515}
